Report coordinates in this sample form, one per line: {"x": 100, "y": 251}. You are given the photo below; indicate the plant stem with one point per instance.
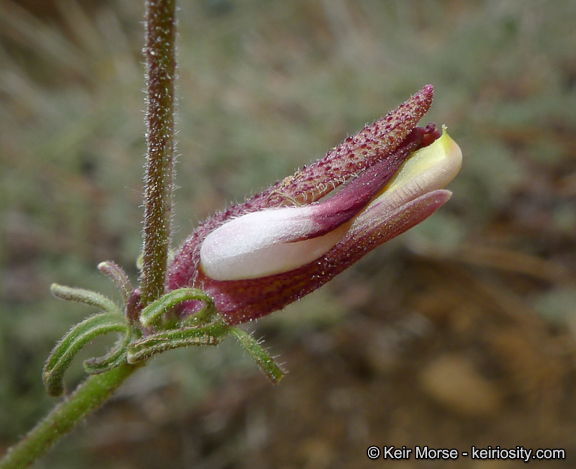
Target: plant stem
{"x": 160, "y": 75}
{"x": 160, "y": 52}
{"x": 90, "y": 395}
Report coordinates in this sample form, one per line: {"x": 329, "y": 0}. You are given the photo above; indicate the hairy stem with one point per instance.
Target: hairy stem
{"x": 160, "y": 75}
{"x": 160, "y": 53}
{"x": 89, "y": 396}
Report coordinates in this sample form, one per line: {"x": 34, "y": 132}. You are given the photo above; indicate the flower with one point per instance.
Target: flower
{"x": 281, "y": 244}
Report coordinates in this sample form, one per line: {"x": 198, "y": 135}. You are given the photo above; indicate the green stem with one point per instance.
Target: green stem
{"x": 90, "y": 395}
{"x": 160, "y": 52}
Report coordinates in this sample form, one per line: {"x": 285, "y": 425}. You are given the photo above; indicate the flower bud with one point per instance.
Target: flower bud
{"x": 280, "y": 245}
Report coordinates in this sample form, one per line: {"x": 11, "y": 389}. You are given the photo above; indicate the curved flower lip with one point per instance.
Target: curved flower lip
{"x": 273, "y": 241}
{"x": 244, "y": 300}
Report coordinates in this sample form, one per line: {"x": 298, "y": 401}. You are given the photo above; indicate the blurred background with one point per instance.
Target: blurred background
{"x": 461, "y": 332}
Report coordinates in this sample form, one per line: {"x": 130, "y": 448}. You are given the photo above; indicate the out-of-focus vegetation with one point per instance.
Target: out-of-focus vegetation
{"x": 460, "y": 332}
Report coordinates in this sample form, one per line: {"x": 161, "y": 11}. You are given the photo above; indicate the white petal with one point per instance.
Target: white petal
{"x": 260, "y": 244}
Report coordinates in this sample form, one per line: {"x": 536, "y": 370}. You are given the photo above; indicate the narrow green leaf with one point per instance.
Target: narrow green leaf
{"x": 118, "y": 276}
{"x": 153, "y": 311}
{"x": 61, "y": 356}
{"x": 87, "y": 297}
{"x": 169, "y": 340}
{"x": 112, "y": 359}
{"x": 264, "y": 361}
